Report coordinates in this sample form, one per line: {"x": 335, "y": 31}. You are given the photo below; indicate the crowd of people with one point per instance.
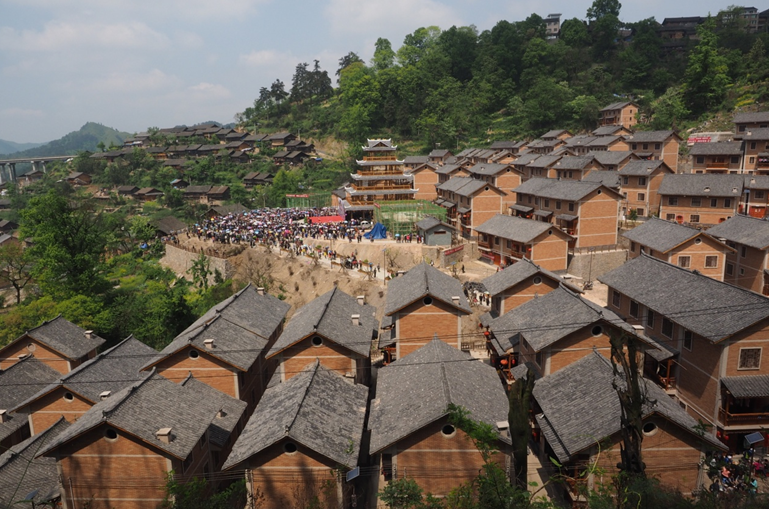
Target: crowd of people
{"x": 728, "y": 475}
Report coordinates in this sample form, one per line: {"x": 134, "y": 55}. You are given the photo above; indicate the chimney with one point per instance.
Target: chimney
{"x": 105, "y": 395}
{"x": 23, "y": 356}
{"x": 455, "y": 300}
{"x": 209, "y": 344}
{"x": 221, "y": 414}
{"x": 164, "y": 435}
{"x": 361, "y": 299}
{"x": 260, "y": 290}
{"x": 88, "y": 334}
{"x": 356, "y": 320}
{"x": 4, "y": 416}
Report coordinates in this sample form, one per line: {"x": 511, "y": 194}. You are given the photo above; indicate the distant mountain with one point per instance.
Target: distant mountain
{"x": 87, "y": 138}
{"x": 9, "y": 147}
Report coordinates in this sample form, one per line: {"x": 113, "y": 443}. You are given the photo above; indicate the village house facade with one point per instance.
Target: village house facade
{"x": 470, "y": 203}
{"x": 714, "y": 334}
{"x": 640, "y": 183}
{"x": 718, "y": 157}
{"x": 421, "y": 303}
{"x": 587, "y": 211}
{"x": 700, "y": 199}
{"x": 658, "y": 145}
{"x": 336, "y": 328}
{"x": 747, "y": 265}
{"x": 619, "y": 113}
{"x": 680, "y": 245}
{"x": 508, "y": 239}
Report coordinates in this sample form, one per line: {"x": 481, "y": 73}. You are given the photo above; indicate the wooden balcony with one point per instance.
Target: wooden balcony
{"x": 386, "y": 156}
{"x": 712, "y": 165}
{"x": 746, "y": 419}
{"x": 389, "y": 186}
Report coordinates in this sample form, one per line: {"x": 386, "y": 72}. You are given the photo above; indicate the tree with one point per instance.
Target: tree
{"x": 601, "y": 8}
{"x": 705, "y": 79}
{"x": 15, "y": 267}
{"x": 69, "y": 240}
{"x": 403, "y": 493}
{"x": 200, "y": 270}
{"x": 518, "y": 421}
{"x": 347, "y": 61}
{"x": 384, "y": 56}
{"x": 574, "y": 33}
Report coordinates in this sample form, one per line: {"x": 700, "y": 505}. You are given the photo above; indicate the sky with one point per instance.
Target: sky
{"x": 139, "y": 64}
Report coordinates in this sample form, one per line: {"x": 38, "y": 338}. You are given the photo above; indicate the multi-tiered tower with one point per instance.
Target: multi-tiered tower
{"x": 380, "y": 176}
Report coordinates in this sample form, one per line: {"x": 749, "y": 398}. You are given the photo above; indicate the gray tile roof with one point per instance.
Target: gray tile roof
{"x": 580, "y": 140}
{"x": 330, "y": 316}
{"x": 702, "y": 184}
{"x": 416, "y": 159}
{"x": 416, "y": 391}
{"x": 607, "y": 157}
{"x": 608, "y": 178}
{"x": 570, "y": 190}
{"x": 317, "y": 408}
{"x": 447, "y": 169}
{"x": 19, "y": 382}
{"x": 240, "y": 326}
{"x": 546, "y": 319}
{"x": 661, "y": 235}
{"x": 760, "y": 134}
{"x": 526, "y": 159}
{"x": 751, "y": 117}
{"x": 421, "y": 281}
{"x": 607, "y": 130}
{"x": 573, "y": 162}
{"x": 545, "y": 161}
{"x": 746, "y": 230}
{"x": 111, "y": 370}
{"x": 709, "y": 308}
{"x": 649, "y": 136}
{"x": 616, "y": 106}
{"x": 514, "y": 274}
{"x": 146, "y": 407}
{"x": 465, "y": 186}
{"x": 747, "y": 386}
{"x": 514, "y": 228}
{"x": 643, "y": 168}
{"x": 554, "y": 133}
{"x": 500, "y": 145}
{"x": 21, "y": 473}
{"x": 487, "y": 168}
{"x": 580, "y": 407}
{"x": 65, "y": 337}
{"x": 427, "y": 223}
{"x": 760, "y": 182}
{"x": 231, "y": 409}
{"x": 729, "y": 148}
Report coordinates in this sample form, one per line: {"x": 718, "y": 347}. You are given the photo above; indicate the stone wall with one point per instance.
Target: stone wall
{"x": 602, "y": 262}
{"x": 180, "y": 261}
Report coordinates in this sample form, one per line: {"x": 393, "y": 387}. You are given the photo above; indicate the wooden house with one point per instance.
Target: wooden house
{"x": 614, "y": 160}
{"x": 426, "y": 446}
{"x": 503, "y": 176}
{"x": 506, "y": 240}
{"x": 586, "y": 210}
{"x": 519, "y": 283}
{"x": 714, "y": 334}
{"x": 470, "y": 202}
{"x": 756, "y": 155}
{"x": 380, "y": 176}
{"x": 226, "y": 347}
{"x": 135, "y": 437}
{"x": 747, "y": 265}
{"x": 424, "y": 180}
{"x": 640, "y": 185}
{"x": 700, "y": 199}
{"x": 302, "y": 438}
{"x": 718, "y": 157}
{"x": 73, "y": 394}
{"x": 661, "y": 145}
{"x": 336, "y": 328}
{"x": 622, "y": 113}
{"x": 59, "y": 343}
{"x": 422, "y": 302}
{"x": 19, "y": 382}
{"x": 681, "y": 245}
{"x": 148, "y": 194}
{"x": 744, "y": 122}
{"x": 553, "y": 331}
{"x": 672, "y": 449}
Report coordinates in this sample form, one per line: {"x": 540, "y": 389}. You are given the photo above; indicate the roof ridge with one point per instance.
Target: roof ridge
{"x": 91, "y": 362}
{"x": 304, "y": 397}
{"x": 130, "y": 391}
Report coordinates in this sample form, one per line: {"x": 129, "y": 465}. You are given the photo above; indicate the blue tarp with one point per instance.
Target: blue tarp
{"x": 377, "y": 232}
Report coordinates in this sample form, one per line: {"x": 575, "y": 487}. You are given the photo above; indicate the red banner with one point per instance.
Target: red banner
{"x": 454, "y": 250}
{"x": 698, "y": 139}
{"x": 326, "y": 219}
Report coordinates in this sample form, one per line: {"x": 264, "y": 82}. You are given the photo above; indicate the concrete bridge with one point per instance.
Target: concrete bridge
{"x": 8, "y": 166}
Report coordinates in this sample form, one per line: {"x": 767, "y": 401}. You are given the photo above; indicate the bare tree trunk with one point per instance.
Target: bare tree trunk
{"x": 520, "y": 428}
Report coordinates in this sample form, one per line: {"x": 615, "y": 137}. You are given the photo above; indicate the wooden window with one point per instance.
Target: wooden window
{"x": 688, "y": 340}
{"x": 729, "y": 269}
{"x": 571, "y": 207}
{"x": 616, "y": 298}
{"x": 694, "y": 218}
{"x": 673, "y": 200}
{"x": 649, "y": 318}
{"x": 758, "y": 194}
{"x": 727, "y": 202}
{"x": 633, "y": 309}
{"x": 625, "y": 180}
{"x": 667, "y": 328}
{"x": 547, "y": 203}
{"x": 700, "y": 159}
{"x": 714, "y": 202}
{"x": 684, "y": 261}
{"x": 558, "y": 205}
{"x": 743, "y": 251}
{"x": 670, "y": 217}
{"x": 696, "y": 202}
{"x": 641, "y": 181}
{"x": 711, "y": 262}
{"x": 750, "y": 358}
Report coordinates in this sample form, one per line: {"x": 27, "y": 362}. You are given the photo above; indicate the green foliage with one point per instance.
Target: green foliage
{"x": 403, "y": 493}
{"x": 69, "y": 238}
{"x": 706, "y": 79}
{"x": 195, "y": 494}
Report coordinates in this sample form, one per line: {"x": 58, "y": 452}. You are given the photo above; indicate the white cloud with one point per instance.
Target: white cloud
{"x": 123, "y": 82}
{"x": 208, "y": 91}
{"x": 60, "y": 36}
{"x": 266, "y": 58}
{"x": 365, "y": 16}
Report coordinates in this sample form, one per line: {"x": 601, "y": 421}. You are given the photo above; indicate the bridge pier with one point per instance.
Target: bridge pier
{"x": 2, "y": 173}
{"x": 13, "y": 171}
